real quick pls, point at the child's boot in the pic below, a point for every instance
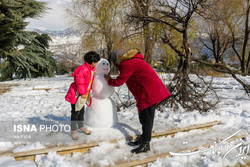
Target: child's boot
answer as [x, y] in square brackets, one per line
[74, 135]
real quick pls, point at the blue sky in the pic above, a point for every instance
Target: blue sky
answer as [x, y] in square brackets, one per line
[54, 19]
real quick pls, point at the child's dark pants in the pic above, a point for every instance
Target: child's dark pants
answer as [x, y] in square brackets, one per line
[76, 118]
[146, 117]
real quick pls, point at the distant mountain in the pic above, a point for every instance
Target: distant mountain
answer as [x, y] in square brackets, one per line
[56, 33]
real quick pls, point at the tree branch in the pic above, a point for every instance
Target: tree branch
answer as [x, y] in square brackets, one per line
[156, 20]
[226, 70]
[167, 41]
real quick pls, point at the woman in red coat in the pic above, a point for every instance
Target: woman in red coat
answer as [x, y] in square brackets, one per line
[145, 85]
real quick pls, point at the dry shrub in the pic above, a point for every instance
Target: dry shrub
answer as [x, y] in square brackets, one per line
[6, 87]
[211, 72]
[3, 90]
[206, 71]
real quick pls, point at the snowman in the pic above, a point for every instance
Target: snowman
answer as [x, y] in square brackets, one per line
[102, 112]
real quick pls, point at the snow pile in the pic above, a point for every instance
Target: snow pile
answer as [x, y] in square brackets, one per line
[32, 146]
[10, 162]
[6, 146]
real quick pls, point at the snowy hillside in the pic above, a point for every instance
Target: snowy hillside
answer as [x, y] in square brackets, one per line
[63, 41]
[31, 102]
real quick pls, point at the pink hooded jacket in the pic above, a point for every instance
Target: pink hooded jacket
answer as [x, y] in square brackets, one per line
[82, 77]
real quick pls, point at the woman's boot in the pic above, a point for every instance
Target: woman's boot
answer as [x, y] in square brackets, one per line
[144, 147]
[135, 142]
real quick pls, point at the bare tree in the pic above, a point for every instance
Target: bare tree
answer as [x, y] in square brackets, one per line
[218, 41]
[228, 21]
[142, 7]
[100, 20]
[241, 40]
[69, 56]
[175, 18]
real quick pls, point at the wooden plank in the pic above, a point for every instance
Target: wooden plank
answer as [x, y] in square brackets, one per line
[186, 129]
[154, 158]
[83, 147]
[247, 164]
[69, 152]
[30, 158]
[66, 150]
[46, 89]
[63, 152]
[57, 149]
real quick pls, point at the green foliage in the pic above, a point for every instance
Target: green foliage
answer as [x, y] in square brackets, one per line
[33, 60]
[24, 53]
[12, 16]
[167, 60]
[6, 70]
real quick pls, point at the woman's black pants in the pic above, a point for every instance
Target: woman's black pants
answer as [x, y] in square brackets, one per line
[146, 118]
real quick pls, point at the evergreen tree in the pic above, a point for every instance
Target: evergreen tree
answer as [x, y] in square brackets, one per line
[32, 59]
[24, 53]
[12, 16]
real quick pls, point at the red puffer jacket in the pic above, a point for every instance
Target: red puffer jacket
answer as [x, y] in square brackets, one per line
[82, 77]
[141, 80]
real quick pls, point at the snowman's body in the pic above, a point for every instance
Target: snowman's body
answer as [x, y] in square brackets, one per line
[102, 112]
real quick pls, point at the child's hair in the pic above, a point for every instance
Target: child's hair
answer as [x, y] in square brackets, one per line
[91, 57]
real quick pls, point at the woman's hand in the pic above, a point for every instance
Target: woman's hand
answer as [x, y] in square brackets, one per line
[107, 77]
[84, 96]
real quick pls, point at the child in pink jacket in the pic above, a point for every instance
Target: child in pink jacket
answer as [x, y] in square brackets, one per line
[82, 77]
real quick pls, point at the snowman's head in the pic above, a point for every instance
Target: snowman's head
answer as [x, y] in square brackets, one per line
[102, 67]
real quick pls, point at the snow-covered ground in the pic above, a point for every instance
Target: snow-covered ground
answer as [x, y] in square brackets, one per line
[26, 104]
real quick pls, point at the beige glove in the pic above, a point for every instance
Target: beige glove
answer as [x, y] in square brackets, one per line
[80, 103]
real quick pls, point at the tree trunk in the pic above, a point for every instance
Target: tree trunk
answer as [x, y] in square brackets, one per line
[147, 45]
[186, 54]
[216, 57]
[243, 67]
[247, 66]
[144, 5]
[109, 49]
